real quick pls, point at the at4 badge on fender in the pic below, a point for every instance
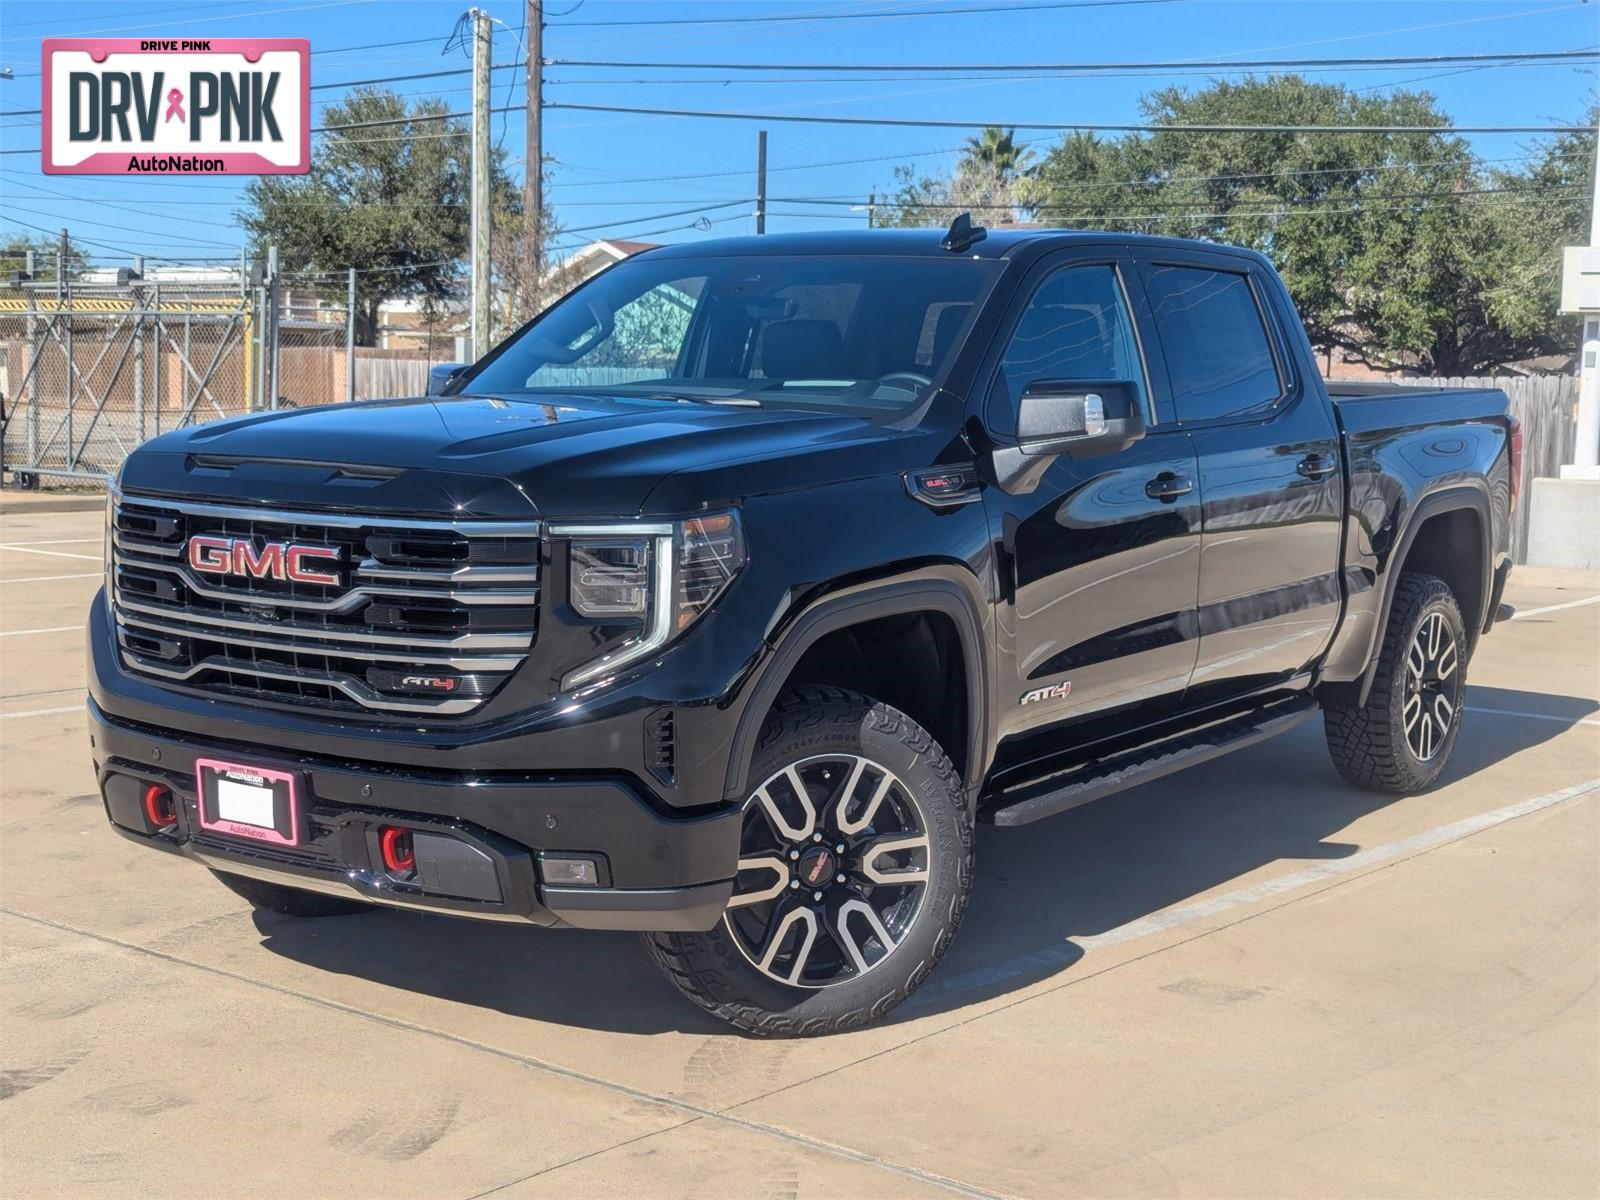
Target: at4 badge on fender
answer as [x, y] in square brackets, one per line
[1056, 691]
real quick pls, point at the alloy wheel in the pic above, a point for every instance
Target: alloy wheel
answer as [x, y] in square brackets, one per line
[833, 869]
[1432, 687]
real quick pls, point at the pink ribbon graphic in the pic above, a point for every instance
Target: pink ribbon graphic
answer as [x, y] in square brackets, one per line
[175, 106]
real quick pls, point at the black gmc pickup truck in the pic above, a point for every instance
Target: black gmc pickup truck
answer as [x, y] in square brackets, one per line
[724, 598]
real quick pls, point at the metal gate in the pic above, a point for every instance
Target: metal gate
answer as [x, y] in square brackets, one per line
[89, 372]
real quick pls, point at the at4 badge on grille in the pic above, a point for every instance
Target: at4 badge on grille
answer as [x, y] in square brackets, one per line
[167, 106]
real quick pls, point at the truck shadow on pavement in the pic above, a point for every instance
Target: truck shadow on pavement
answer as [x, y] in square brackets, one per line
[1080, 874]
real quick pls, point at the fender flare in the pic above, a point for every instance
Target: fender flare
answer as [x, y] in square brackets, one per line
[936, 589]
[1431, 504]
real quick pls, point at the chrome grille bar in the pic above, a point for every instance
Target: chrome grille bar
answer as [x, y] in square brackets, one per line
[348, 602]
[365, 644]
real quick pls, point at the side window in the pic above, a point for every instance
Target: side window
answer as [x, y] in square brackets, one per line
[1076, 327]
[1218, 352]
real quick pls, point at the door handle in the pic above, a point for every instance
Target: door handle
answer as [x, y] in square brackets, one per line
[1317, 466]
[1168, 486]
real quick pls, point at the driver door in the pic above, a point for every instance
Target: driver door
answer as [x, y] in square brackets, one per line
[1100, 557]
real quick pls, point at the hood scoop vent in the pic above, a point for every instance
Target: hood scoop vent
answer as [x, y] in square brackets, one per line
[359, 474]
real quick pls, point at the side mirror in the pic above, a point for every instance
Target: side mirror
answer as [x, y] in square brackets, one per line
[442, 375]
[1079, 419]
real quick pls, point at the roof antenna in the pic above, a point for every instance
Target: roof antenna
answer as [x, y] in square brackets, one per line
[963, 234]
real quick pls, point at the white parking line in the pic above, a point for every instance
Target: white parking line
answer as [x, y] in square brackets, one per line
[1522, 614]
[52, 629]
[56, 542]
[41, 712]
[53, 578]
[1057, 956]
[51, 553]
[1531, 716]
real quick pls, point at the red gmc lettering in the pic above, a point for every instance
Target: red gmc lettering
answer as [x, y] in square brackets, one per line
[300, 573]
[275, 560]
[268, 564]
[213, 555]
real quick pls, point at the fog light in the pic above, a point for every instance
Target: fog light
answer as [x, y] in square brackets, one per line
[570, 871]
[398, 856]
[159, 806]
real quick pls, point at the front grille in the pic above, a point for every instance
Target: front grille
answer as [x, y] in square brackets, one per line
[424, 616]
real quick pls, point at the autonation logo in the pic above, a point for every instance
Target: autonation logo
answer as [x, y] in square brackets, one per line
[209, 106]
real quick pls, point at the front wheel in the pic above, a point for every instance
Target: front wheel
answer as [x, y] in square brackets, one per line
[855, 863]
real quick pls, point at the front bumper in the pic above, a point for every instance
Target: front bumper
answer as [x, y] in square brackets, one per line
[656, 871]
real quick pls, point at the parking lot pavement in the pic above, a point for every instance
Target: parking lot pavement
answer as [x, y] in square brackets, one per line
[1245, 980]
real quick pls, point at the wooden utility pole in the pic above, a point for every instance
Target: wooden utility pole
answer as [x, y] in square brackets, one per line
[533, 169]
[482, 167]
[761, 182]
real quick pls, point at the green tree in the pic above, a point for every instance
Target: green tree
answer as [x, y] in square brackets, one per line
[391, 196]
[993, 180]
[1400, 249]
[996, 150]
[14, 257]
[1545, 207]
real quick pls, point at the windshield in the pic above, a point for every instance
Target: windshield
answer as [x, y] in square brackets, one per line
[828, 332]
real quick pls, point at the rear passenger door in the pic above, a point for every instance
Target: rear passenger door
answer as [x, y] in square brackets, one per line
[1272, 493]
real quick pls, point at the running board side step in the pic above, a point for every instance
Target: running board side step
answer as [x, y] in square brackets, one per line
[1043, 798]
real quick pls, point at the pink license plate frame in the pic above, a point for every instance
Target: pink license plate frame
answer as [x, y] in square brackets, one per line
[286, 834]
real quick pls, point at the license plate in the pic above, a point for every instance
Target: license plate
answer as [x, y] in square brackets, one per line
[248, 802]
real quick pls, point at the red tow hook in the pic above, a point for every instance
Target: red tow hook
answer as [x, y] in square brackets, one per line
[398, 856]
[159, 806]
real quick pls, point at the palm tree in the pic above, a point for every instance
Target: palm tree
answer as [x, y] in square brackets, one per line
[996, 152]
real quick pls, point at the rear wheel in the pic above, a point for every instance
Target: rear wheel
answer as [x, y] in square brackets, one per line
[855, 862]
[291, 902]
[1401, 738]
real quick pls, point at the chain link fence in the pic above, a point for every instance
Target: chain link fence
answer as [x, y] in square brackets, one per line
[89, 372]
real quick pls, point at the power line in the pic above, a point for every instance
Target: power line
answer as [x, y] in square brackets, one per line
[875, 15]
[703, 223]
[1385, 61]
[249, 16]
[682, 212]
[317, 87]
[426, 41]
[44, 212]
[1038, 77]
[1237, 206]
[1283, 209]
[1087, 127]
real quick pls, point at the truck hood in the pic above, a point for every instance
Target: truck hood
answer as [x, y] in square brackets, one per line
[515, 455]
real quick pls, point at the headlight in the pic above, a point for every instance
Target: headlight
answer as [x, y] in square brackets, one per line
[664, 576]
[710, 553]
[610, 578]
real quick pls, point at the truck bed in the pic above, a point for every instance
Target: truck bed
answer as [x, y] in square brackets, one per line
[1372, 407]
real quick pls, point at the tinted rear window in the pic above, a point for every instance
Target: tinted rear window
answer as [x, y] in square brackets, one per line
[1217, 350]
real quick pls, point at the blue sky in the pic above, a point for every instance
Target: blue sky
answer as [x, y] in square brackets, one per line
[611, 170]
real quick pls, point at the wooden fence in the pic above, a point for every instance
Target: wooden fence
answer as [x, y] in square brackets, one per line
[1545, 404]
[1547, 407]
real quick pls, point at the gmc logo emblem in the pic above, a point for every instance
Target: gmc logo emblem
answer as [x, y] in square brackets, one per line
[275, 560]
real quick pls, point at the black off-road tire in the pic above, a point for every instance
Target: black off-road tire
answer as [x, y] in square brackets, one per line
[710, 969]
[291, 902]
[1369, 744]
